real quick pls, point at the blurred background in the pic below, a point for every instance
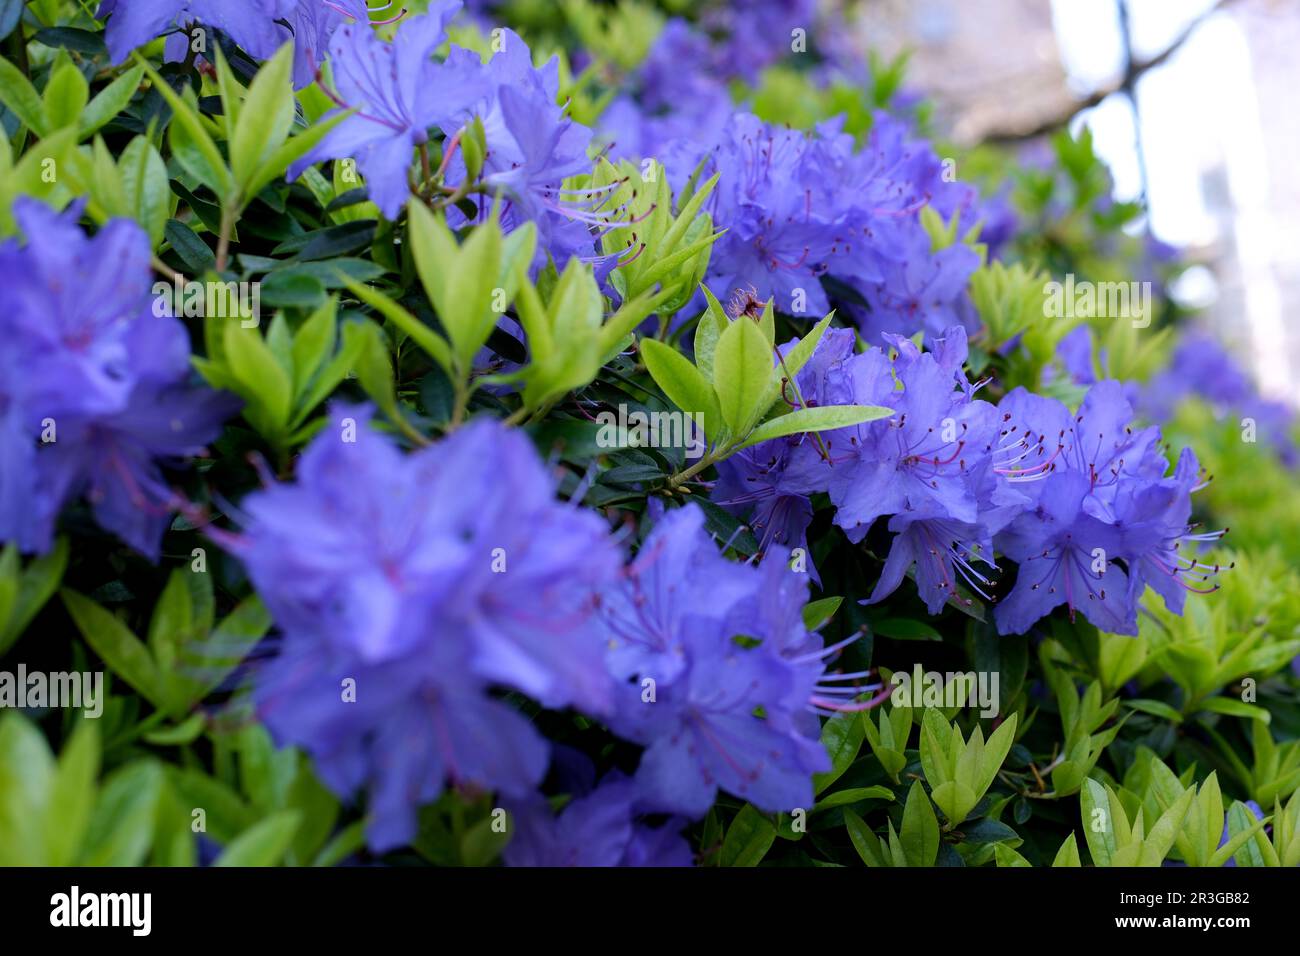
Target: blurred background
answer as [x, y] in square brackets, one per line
[1192, 104]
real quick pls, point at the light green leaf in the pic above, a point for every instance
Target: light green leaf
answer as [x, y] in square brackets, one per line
[122, 825]
[680, 380]
[817, 419]
[1068, 854]
[17, 93]
[920, 831]
[265, 118]
[72, 794]
[110, 101]
[742, 373]
[263, 844]
[128, 658]
[262, 379]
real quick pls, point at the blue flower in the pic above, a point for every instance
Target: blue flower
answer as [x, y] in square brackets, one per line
[379, 568]
[922, 458]
[601, 828]
[94, 396]
[399, 93]
[250, 23]
[724, 680]
[1097, 494]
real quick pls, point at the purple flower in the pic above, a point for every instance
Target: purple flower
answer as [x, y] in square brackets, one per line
[725, 680]
[532, 147]
[920, 460]
[770, 483]
[381, 553]
[600, 828]
[399, 92]
[1097, 494]
[1154, 519]
[1063, 557]
[312, 23]
[1203, 368]
[677, 583]
[398, 729]
[702, 732]
[379, 567]
[250, 23]
[94, 395]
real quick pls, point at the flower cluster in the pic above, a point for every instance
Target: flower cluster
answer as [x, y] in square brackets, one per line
[94, 397]
[798, 208]
[387, 85]
[1081, 502]
[406, 605]
[390, 581]
[260, 27]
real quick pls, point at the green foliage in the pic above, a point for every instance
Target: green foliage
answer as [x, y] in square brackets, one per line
[1251, 628]
[959, 770]
[736, 383]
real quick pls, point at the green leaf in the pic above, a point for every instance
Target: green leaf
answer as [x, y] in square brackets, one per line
[1068, 854]
[429, 340]
[995, 751]
[375, 367]
[905, 629]
[742, 373]
[145, 187]
[313, 344]
[122, 825]
[265, 118]
[793, 361]
[263, 844]
[186, 732]
[748, 838]
[936, 761]
[711, 326]
[172, 624]
[468, 314]
[821, 418]
[817, 614]
[434, 248]
[920, 831]
[27, 774]
[33, 587]
[680, 381]
[110, 101]
[191, 144]
[17, 93]
[121, 650]
[72, 794]
[1160, 840]
[348, 841]
[263, 380]
[864, 841]
[1235, 708]
[1006, 856]
[841, 798]
[842, 737]
[1098, 822]
[1156, 708]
